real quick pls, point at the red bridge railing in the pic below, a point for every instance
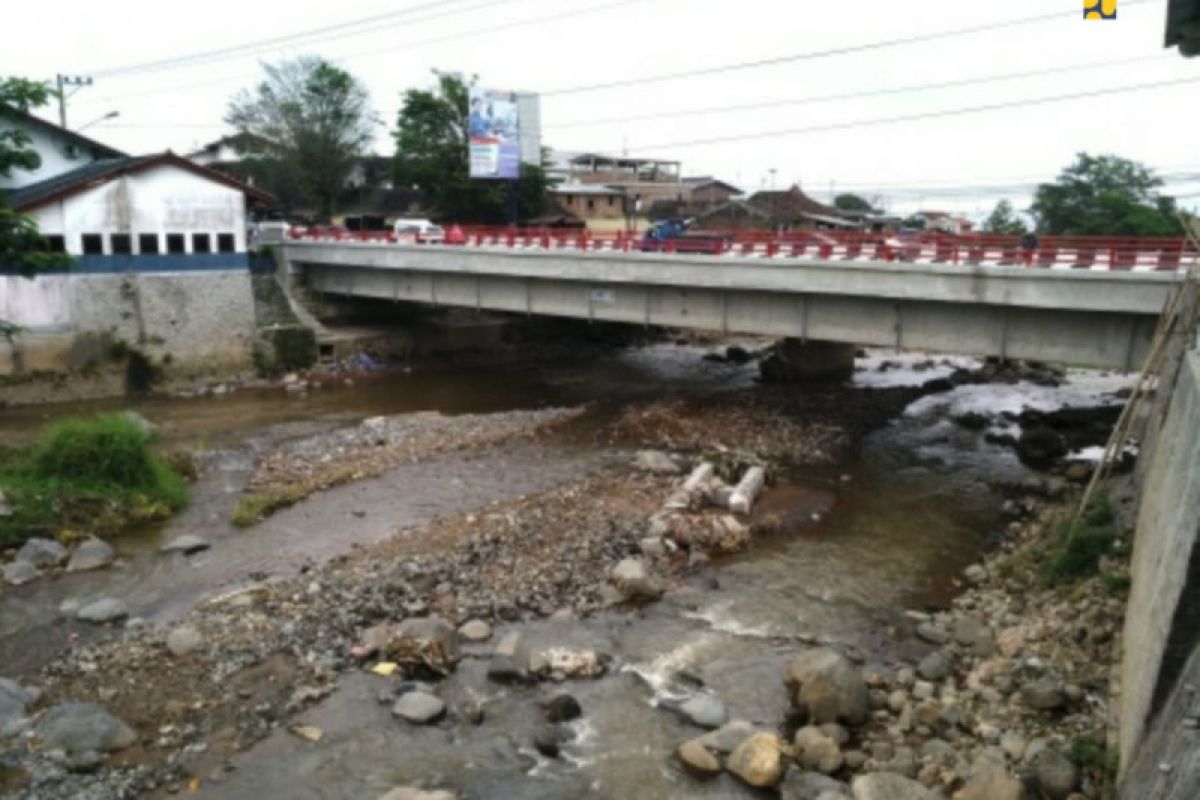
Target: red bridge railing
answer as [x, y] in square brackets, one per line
[1143, 253]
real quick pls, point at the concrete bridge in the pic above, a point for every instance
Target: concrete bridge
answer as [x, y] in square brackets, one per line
[1092, 317]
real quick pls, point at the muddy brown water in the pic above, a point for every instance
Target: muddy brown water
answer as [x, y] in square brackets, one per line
[888, 530]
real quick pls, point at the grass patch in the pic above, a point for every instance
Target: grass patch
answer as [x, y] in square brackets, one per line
[96, 475]
[257, 506]
[1090, 755]
[1074, 551]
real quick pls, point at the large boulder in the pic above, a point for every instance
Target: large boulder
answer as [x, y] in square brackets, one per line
[817, 751]
[758, 761]
[705, 711]
[510, 659]
[726, 738]
[1056, 774]
[889, 786]
[990, 781]
[698, 759]
[42, 553]
[1044, 694]
[80, 727]
[18, 573]
[634, 580]
[424, 643]
[91, 554]
[106, 609]
[824, 683]
[419, 708]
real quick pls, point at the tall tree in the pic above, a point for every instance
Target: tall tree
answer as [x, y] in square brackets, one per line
[1004, 219]
[1105, 195]
[431, 155]
[21, 245]
[316, 121]
[852, 202]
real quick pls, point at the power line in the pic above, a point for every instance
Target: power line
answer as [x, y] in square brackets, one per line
[742, 137]
[174, 89]
[307, 36]
[816, 54]
[799, 101]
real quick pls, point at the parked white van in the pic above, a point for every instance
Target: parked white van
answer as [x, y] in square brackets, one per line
[418, 231]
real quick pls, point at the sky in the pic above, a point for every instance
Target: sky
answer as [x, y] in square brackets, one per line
[801, 128]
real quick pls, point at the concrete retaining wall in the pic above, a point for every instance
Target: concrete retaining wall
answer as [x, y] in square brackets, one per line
[192, 324]
[1162, 636]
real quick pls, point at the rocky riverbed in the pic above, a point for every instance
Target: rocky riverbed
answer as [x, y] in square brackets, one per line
[505, 648]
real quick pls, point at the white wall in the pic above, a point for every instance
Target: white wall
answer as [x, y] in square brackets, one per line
[56, 153]
[163, 199]
[41, 303]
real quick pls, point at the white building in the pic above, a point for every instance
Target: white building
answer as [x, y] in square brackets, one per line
[159, 255]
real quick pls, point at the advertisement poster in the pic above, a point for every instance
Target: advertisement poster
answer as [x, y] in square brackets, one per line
[494, 134]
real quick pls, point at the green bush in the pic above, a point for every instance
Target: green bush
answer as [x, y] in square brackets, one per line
[96, 475]
[1075, 550]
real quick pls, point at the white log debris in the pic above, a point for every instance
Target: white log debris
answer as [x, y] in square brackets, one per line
[747, 490]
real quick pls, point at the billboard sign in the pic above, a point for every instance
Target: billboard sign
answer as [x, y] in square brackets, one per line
[503, 132]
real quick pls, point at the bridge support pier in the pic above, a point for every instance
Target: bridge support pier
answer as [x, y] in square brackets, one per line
[797, 360]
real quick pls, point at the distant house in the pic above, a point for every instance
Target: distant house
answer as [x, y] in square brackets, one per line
[230, 150]
[60, 150]
[792, 209]
[707, 192]
[736, 215]
[590, 202]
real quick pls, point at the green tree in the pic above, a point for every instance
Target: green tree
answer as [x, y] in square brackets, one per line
[431, 155]
[1105, 194]
[21, 244]
[316, 121]
[1004, 219]
[852, 202]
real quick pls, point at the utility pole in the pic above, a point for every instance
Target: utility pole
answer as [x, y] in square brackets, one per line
[64, 81]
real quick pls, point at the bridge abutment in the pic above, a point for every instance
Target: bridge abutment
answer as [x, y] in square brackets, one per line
[797, 360]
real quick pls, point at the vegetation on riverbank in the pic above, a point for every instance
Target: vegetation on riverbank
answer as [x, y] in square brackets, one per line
[95, 475]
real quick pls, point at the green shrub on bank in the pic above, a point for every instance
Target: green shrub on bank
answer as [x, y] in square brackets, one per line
[1074, 551]
[94, 475]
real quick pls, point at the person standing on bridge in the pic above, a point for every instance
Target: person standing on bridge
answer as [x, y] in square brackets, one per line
[1029, 246]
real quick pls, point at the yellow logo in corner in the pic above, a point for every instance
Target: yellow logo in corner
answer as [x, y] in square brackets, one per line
[1099, 9]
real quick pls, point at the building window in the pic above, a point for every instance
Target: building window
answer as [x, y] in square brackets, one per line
[225, 243]
[591, 205]
[175, 243]
[93, 244]
[201, 243]
[612, 201]
[148, 244]
[120, 244]
[55, 243]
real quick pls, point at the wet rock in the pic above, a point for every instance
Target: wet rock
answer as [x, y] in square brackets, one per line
[826, 685]
[548, 739]
[408, 793]
[652, 547]
[91, 554]
[889, 786]
[566, 662]
[934, 667]
[80, 727]
[726, 738]
[188, 544]
[42, 553]
[817, 751]
[1013, 745]
[184, 640]
[1056, 775]
[758, 761]
[801, 785]
[19, 573]
[419, 708]
[975, 573]
[562, 708]
[475, 630]
[697, 758]
[106, 609]
[932, 632]
[705, 711]
[424, 644]
[510, 661]
[1044, 694]
[656, 461]
[14, 702]
[634, 581]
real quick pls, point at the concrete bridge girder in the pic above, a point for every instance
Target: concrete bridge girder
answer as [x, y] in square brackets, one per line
[1093, 319]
